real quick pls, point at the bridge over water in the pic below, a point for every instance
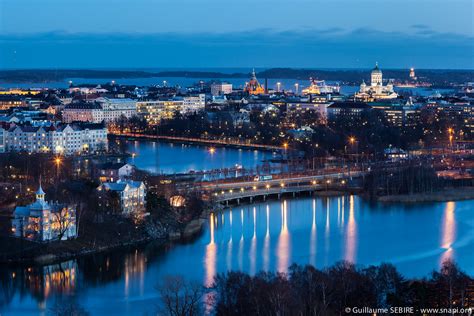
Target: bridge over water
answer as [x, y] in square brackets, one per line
[211, 142]
[235, 192]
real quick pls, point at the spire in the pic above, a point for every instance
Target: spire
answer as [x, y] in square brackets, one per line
[40, 193]
[254, 75]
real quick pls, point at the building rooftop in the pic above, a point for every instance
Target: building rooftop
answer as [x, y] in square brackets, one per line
[83, 106]
[349, 105]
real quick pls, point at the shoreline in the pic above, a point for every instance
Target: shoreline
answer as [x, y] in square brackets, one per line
[209, 142]
[445, 195]
[56, 252]
[50, 253]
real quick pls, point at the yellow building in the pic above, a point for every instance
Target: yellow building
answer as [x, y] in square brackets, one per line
[19, 92]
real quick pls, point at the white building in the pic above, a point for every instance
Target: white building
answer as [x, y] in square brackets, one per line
[221, 88]
[153, 111]
[110, 172]
[114, 108]
[43, 221]
[101, 110]
[3, 134]
[131, 194]
[376, 89]
[193, 103]
[64, 139]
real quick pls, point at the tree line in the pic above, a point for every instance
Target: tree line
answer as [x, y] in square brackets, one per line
[305, 290]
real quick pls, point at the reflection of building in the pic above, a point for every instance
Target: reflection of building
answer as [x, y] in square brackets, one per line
[43, 221]
[43, 281]
[60, 278]
[376, 89]
[131, 194]
[253, 86]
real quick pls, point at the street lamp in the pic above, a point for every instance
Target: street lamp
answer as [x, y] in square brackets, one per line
[58, 162]
[451, 137]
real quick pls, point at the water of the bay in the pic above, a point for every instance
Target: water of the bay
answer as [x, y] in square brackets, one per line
[266, 236]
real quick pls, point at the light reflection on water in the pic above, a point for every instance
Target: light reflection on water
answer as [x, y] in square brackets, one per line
[172, 158]
[351, 234]
[448, 231]
[283, 251]
[267, 236]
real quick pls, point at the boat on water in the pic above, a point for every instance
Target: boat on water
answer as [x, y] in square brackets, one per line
[320, 87]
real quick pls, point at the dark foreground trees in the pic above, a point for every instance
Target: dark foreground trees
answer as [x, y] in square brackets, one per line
[308, 291]
[179, 297]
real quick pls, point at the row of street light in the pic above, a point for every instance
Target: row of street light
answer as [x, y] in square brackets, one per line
[268, 186]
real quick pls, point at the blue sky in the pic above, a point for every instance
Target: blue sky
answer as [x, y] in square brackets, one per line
[236, 33]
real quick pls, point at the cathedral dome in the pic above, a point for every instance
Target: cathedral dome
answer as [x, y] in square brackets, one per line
[376, 69]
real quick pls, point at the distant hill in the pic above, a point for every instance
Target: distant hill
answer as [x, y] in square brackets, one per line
[348, 76]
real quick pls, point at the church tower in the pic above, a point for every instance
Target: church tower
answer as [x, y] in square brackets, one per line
[40, 194]
[376, 76]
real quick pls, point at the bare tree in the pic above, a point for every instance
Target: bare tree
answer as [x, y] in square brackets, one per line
[179, 297]
[62, 221]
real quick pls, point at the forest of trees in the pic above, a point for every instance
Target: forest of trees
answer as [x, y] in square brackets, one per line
[415, 176]
[305, 290]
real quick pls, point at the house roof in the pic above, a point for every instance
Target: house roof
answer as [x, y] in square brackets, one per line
[349, 105]
[121, 185]
[112, 165]
[83, 106]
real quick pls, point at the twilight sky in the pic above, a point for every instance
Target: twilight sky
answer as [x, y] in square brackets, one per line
[236, 33]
